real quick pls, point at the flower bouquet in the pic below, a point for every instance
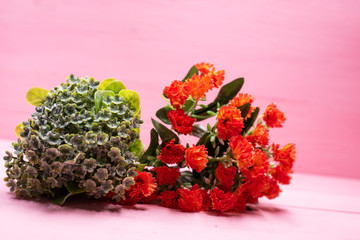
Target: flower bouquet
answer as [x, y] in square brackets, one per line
[84, 139]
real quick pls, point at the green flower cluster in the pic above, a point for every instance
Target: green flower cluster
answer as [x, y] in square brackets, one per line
[83, 138]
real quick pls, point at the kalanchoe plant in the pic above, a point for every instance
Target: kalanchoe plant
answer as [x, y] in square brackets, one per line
[82, 138]
[232, 162]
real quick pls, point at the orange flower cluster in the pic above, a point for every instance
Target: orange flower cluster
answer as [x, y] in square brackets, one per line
[232, 163]
[207, 69]
[230, 122]
[196, 157]
[242, 99]
[273, 116]
[259, 136]
[197, 86]
[143, 189]
[242, 150]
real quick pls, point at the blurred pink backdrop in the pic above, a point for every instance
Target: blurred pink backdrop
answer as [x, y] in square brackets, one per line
[304, 56]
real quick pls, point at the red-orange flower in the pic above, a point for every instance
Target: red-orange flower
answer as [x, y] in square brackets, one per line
[172, 153]
[272, 189]
[242, 99]
[204, 68]
[144, 186]
[254, 187]
[260, 136]
[166, 175]
[197, 86]
[225, 176]
[180, 121]
[260, 167]
[208, 69]
[242, 151]
[169, 199]
[176, 93]
[190, 200]
[285, 156]
[222, 201]
[240, 204]
[218, 77]
[196, 157]
[273, 116]
[280, 175]
[206, 204]
[230, 122]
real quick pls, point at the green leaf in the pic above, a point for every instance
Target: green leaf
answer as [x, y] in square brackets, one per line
[140, 167]
[198, 131]
[165, 133]
[188, 105]
[244, 109]
[36, 96]
[193, 70]
[100, 95]
[204, 139]
[60, 200]
[19, 129]
[137, 147]
[162, 114]
[226, 93]
[250, 121]
[115, 86]
[133, 98]
[103, 84]
[71, 189]
[154, 143]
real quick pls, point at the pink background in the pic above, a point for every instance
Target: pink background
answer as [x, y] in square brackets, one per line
[305, 56]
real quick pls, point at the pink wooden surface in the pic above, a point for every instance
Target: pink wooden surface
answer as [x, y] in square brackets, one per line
[304, 55]
[312, 207]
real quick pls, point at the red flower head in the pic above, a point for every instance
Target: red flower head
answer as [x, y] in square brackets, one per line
[225, 176]
[169, 199]
[166, 175]
[191, 200]
[196, 157]
[197, 86]
[242, 151]
[280, 175]
[204, 68]
[260, 167]
[230, 122]
[272, 189]
[176, 93]
[172, 153]
[242, 99]
[222, 201]
[273, 116]
[180, 121]
[285, 156]
[260, 136]
[240, 204]
[144, 186]
[217, 77]
[254, 187]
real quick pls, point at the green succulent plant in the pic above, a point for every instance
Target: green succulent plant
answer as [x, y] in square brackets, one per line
[82, 138]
